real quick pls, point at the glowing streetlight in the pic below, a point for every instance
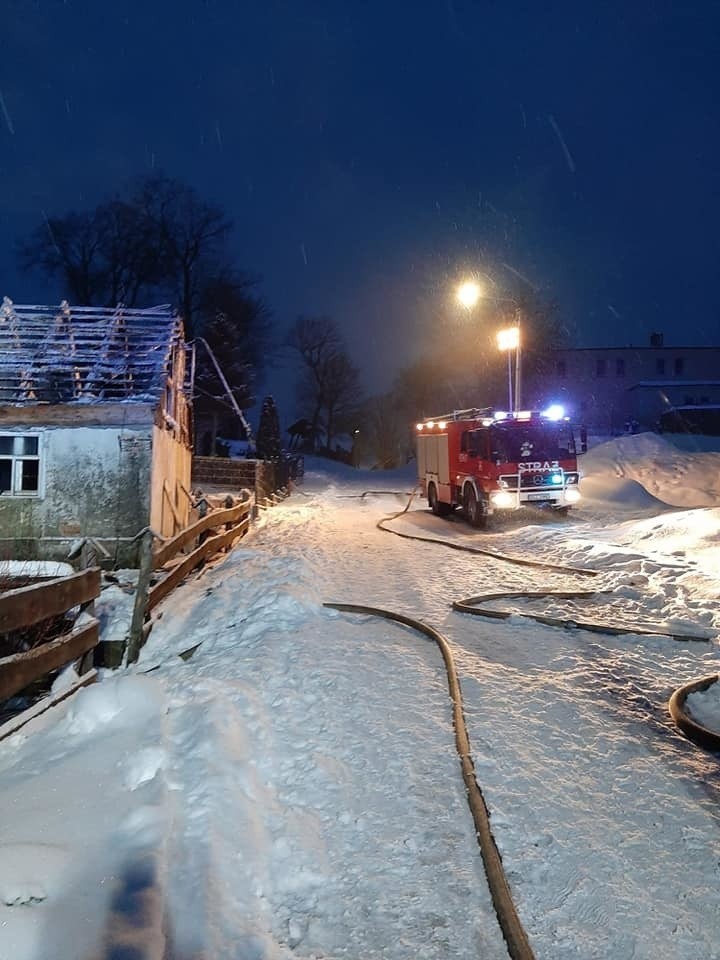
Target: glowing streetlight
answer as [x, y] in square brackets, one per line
[509, 340]
[468, 294]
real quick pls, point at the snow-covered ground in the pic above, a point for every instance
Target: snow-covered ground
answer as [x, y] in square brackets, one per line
[10, 569]
[292, 789]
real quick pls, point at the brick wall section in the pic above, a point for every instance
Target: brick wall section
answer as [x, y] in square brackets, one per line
[262, 477]
[223, 471]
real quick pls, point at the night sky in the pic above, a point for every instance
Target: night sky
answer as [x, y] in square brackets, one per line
[371, 152]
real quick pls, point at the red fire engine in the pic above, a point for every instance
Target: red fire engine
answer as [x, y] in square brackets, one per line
[487, 462]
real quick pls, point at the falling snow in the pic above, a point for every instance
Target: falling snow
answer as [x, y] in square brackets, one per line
[561, 140]
[6, 115]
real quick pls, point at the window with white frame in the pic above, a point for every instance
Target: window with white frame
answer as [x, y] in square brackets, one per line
[19, 464]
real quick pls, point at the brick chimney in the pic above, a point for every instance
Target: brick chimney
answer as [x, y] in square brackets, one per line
[656, 339]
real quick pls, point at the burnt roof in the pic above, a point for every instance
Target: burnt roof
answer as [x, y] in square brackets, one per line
[69, 354]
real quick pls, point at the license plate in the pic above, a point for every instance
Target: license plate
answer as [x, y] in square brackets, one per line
[539, 496]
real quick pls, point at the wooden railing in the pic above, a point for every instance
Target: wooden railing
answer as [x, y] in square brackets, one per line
[210, 534]
[234, 520]
[27, 607]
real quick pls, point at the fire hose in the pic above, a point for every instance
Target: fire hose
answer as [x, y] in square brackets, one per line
[512, 929]
[693, 730]
[515, 936]
[470, 604]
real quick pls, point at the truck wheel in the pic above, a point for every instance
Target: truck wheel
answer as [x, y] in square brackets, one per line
[437, 506]
[474, 512]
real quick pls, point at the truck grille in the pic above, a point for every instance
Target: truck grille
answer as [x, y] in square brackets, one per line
[533, 481]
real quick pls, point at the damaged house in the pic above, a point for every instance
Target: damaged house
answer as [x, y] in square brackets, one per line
[95, 428]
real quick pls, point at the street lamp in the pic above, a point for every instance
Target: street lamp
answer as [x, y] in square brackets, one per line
[469, 293]
[509, 340]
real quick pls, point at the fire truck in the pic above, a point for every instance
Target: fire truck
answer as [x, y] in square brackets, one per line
[487, 462]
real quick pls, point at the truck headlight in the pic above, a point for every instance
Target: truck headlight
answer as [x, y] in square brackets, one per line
[572, 496]
[501, 498]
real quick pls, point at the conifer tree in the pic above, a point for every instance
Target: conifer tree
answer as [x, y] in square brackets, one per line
[267, 444]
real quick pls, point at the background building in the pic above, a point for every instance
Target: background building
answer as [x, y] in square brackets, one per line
[609, 387]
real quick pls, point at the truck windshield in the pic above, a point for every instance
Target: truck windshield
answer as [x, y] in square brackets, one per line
[514, 443]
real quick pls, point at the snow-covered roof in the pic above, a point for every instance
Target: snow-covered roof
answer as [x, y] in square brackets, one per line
[676, 383]
[61, 354]
[629, 347]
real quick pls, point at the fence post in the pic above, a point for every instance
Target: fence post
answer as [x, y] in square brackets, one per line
[135, 636]
[88, 558]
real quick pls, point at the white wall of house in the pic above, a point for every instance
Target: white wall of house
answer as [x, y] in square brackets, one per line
[93, 481]
[171, 468]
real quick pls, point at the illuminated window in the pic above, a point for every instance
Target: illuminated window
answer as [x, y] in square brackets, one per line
[19, 465]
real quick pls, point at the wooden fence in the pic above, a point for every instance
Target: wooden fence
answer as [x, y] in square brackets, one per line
[25, 607]
[215, 532]
[29, 606]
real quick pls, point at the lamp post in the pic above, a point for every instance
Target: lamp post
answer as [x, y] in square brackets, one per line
[509, 340]
[518, 400]
[469, 293]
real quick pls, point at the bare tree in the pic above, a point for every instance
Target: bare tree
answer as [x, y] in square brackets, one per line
[69, 248]
[163, 239]
[132, 268]
[316, 340]
[190, 235]
[387, 432]
[341, 392]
